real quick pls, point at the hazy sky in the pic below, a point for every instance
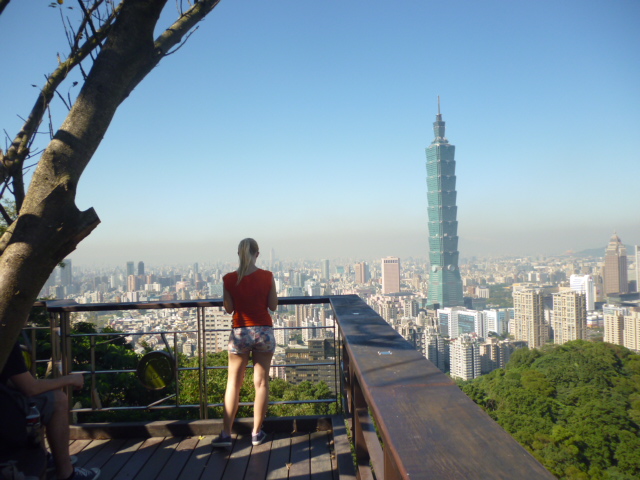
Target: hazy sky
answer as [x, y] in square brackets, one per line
[304, 124]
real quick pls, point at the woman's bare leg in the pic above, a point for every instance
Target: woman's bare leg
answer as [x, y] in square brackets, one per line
[237, 367]
[261, 365]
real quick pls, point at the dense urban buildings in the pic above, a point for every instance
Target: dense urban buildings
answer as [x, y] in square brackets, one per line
[445, 282]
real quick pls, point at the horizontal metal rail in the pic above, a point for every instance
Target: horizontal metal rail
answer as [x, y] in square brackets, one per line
[61, 310]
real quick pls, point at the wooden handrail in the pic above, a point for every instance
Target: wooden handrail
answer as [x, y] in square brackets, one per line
[429, 429]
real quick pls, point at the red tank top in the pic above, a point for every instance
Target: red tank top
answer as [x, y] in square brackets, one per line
[250, 298]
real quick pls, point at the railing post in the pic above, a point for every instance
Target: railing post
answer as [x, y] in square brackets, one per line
[202, 363]
[65, 351]
[175, 366]
[360, 445]
[94, 387]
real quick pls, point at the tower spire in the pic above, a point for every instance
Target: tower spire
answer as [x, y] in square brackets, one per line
[438, 127]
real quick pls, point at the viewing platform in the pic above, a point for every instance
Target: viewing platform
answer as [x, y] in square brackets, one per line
[401, 418]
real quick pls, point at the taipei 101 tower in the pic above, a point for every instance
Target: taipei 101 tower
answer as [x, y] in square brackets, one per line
[445, 283]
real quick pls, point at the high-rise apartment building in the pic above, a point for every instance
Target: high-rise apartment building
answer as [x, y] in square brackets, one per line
[460, 321]
[445, 282]
[615, 267]
[390, 275]
[436, 348]
[528, 323]
[622, 326]
[584, 284]
[218, 323]
[569, 317]
[497, 321]
[464, 358]
[631, 335]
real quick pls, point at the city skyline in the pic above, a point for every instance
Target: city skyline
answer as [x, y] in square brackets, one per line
[302, 125]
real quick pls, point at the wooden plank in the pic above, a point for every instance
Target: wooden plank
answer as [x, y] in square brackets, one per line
[217, 463]
[111, 468]
[428, 425]
[158, 459]
[142, 455]
[105, 453]
[239, 459]
[300, 465]
[198, 460]
[178, 459]
[321, 465]
[90, 451]
[342, 450]
[76, 446]
[259, 461]
[279, 459]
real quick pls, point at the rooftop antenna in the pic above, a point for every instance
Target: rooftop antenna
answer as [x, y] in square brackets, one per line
[438, 104]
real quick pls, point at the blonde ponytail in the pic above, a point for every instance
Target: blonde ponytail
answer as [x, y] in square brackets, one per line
[246, 250]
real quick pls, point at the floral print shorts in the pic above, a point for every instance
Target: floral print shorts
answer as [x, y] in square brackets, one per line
[252, 339]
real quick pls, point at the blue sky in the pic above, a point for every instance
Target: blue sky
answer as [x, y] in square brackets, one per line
[304, 124]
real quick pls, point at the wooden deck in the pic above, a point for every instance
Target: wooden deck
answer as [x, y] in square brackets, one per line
[301, 455]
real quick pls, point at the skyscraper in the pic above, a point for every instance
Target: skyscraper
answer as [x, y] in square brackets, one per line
[361, 272]
[615, 267]
[390, 275]
[324, 269]
[66, 273]
[140, 268]
[445, 283]
[637, 268]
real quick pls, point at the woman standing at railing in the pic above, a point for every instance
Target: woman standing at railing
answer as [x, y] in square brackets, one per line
[248, 293]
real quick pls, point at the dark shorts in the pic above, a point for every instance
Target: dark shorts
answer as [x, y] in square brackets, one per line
[252, 339]
[46, 405]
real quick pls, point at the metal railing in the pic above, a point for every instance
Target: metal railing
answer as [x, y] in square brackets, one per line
[60, 312]
[407, 419]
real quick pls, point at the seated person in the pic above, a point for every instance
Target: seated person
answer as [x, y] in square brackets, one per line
[52, 403]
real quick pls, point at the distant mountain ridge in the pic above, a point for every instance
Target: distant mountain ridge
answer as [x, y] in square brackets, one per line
[599, 252]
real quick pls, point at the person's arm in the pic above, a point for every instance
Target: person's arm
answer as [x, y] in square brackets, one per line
[227, 301]
[30, 386]
[273, 296]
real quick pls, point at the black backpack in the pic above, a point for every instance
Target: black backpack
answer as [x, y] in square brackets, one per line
[14, 408]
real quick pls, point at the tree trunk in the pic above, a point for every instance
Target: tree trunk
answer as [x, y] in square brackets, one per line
[49, 225]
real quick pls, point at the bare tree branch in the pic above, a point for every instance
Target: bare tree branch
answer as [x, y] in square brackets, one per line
[13, 159]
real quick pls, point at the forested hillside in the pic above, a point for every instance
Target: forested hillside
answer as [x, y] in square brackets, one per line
[576, 407]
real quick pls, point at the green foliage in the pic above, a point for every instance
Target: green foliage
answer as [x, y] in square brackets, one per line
[279, 390]
[500, 296]
[122, 389]
[576, 407]
[9, 207]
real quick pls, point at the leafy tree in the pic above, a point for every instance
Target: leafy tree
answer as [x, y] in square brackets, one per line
[48, 225]
[574, 406]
